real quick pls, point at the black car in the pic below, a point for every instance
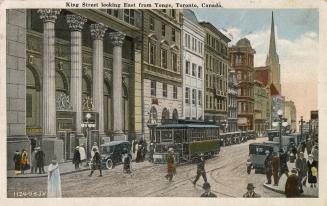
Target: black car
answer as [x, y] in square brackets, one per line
[111, 153]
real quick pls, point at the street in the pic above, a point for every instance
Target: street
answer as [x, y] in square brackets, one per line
[226, 173]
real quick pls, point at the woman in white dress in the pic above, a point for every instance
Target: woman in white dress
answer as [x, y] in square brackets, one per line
[54, 183]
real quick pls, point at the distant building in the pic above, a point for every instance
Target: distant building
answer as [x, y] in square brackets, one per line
[241, 58]
[193, 66]
[216, 74]
[261, 107]
[290, 114]
[232, 101]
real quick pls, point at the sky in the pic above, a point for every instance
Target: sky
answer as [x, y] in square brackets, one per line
[297, 38]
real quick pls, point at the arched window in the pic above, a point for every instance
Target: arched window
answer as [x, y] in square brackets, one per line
[153, 118]
[33, 98]
[175, 114]
[165, 114]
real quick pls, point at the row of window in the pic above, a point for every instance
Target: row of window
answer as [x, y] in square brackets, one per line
[196, 46]
[245, 107]
[128, 15]
[245, 91]
[187, 96]
[195, 73]
[214, 103]
[164, 90]
[163, 29]
[241, 59]
[216, 44]
[244, 76]
[212, 81]
[216, 65]
[163, 57]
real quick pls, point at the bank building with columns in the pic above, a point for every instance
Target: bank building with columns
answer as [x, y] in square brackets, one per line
[72, 74]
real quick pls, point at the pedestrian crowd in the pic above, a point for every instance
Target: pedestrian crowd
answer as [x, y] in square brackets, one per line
[34, 163]
[304, 171]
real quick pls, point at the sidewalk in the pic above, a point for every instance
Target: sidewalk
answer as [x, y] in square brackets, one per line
[69, 168]
[65, 168]
[307, 191]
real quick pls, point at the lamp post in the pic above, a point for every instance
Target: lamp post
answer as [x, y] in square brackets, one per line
[88, 125]
[280, 115]
[301, 124]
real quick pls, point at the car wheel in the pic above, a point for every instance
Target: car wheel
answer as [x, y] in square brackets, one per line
[109, 164]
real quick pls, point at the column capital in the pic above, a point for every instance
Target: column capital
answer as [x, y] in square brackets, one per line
[75, 22]
[117, 38]
[98, 30]
[49, 15]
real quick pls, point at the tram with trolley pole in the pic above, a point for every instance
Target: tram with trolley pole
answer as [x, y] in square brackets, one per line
[189, 138]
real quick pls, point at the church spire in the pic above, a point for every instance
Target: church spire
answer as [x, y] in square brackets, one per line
[272, 53]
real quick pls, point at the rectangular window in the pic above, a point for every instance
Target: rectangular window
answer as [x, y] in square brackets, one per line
[185, 40]
[194, 70]
[151, 23]
[187, 67]
[173, 35]
[174, 61]
[175, 92]
[188, 41]
[164, 58]
[173, 13]
[206, 101]
[195, 43]
[207, 80]
[200, 97]
[193, 96]
[29, 103]
[187, 95]
[164, 90]
[200, 72]
[152, 53]
[210, 102]
[163, 30]
[153, 88]
[129, 16]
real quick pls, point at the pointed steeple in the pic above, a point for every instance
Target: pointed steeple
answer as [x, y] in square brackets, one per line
[272, 53]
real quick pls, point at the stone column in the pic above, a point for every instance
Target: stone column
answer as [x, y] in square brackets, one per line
[76, 24]
[52, 146]
[97, 32]
[117, 39]
[49, 17]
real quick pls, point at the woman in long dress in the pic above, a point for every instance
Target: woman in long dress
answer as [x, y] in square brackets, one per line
[54, 183]
[312, 171]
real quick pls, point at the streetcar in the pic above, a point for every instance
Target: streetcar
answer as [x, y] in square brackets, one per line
[188, 139]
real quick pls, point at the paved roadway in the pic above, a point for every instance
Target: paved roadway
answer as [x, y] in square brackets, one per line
[226, 173]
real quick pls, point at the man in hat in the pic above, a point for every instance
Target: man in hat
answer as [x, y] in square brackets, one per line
[76, 158]
[17, 162]
[250, 192]
[275, 165]
[302, 168]
[40, 157]
[283, 163]
[268, 167]
[96, 163]
[170, 164]
[292, 185]
[200, 169]
[207, 191]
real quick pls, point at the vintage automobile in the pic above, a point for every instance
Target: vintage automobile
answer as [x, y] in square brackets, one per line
[257, 154]
[111, 153]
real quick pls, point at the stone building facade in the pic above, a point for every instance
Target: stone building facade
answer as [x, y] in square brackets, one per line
[216, 74]
[161, 72]
[192, 63]
[290, 114]
[232, 102]
[72, 60]
[261, 107]
[241, 57]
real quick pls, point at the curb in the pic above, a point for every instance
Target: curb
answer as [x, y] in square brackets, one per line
[45, 175]
[282, 192]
